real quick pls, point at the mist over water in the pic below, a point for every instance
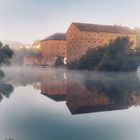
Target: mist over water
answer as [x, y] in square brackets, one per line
[54, 104]
[15, 72]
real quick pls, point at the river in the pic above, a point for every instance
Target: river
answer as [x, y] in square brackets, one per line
[57, 104]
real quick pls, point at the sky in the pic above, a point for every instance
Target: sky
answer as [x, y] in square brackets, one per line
[28, 20]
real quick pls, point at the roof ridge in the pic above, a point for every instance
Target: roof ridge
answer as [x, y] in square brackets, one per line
[99, 24]
[56, 36]
[103, 28]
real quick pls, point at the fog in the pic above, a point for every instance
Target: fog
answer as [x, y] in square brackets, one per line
[15, 73]
[44, 100]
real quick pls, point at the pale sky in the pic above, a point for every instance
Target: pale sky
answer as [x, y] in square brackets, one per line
[28, 20]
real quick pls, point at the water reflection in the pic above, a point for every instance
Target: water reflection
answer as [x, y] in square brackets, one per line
[54, 86]
[35, 109]
[86, 92]
[103, 92]
[5, 90]
[83, 92]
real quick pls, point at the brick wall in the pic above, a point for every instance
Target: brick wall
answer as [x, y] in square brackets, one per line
[78, 42]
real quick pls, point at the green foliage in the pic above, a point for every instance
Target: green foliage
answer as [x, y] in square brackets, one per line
[73, 65]
[5, 54]
[90, 60]
[59, 61]
[2, 74]
[117, 56]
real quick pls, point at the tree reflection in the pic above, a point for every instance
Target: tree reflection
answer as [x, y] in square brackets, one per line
[83, 91]
[86, 92]
[5, 90]
[121, 88]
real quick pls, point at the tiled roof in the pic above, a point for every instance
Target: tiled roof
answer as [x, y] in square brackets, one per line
[56, 36]
[103, 28]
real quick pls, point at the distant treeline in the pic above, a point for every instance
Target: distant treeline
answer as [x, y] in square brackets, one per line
[19, 55]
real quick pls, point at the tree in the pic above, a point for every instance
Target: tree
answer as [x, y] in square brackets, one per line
[59, 61]
[5, 54]
[117, 56]
[90, 60]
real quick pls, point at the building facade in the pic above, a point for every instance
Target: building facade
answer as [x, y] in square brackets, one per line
[81, 37]
[52, 47]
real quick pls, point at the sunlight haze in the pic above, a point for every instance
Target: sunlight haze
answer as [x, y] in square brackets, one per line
[28, 20]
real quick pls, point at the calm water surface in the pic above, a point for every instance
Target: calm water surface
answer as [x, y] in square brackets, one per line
[48, 104]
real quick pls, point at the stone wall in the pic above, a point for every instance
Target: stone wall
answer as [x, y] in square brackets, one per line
[53, 48]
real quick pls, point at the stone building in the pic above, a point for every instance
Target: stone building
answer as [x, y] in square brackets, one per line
[81, 37]
[53, 46]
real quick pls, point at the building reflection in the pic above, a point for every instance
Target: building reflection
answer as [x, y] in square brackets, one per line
[84, 101]
[54, 86]
[84, 93]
